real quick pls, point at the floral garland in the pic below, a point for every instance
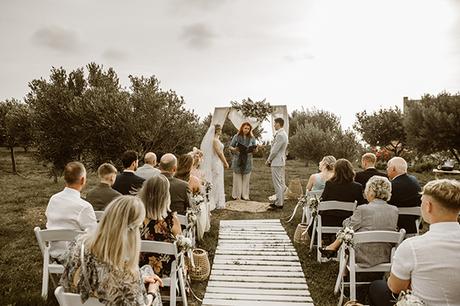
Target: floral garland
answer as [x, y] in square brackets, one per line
[313, 203]
[406, 298]
[258, 109]
[183, 243]
[207, 189]
[197, 199]
[345, 235]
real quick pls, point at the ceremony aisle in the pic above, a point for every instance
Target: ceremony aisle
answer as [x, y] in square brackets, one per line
[256, 264]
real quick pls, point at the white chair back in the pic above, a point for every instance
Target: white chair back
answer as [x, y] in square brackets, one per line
[72, 299]
[182, 219]
[412, 211]
[44, 238]
[318, 227]
[348, 262]
[176, 280]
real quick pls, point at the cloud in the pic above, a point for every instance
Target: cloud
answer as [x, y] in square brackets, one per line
[114, 54]
[184, 6]
[198, 35]
[299, 57]
[57, 38]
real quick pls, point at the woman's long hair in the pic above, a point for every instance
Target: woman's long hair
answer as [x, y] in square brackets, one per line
[343, 172]
[184, 166]
[156, 197]
[116, 240]
[241, 133]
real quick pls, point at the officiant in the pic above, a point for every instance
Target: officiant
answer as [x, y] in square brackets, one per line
[242, 146]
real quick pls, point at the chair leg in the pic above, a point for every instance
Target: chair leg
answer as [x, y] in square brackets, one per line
[319, 244]
[172, 289]
[312, 239]
[352, 285]
[182, 287]
[45, 278]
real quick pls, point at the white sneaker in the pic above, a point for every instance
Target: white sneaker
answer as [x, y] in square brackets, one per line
[272, 198]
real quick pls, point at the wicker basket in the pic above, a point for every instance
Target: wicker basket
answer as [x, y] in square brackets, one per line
[298, 237]
[295, 189]
[202, 267]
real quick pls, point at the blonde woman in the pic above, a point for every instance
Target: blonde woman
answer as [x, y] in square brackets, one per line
[109, 269]
[160, 224]
[317, 181]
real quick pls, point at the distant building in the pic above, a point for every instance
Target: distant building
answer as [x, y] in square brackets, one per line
[407, 102]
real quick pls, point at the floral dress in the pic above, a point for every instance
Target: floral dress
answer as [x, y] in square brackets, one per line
[158, 230]
[111, 286]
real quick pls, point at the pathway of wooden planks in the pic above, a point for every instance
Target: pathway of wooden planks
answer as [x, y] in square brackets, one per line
[256, 264]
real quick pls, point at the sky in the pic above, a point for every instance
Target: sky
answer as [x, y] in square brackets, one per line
[344, 56]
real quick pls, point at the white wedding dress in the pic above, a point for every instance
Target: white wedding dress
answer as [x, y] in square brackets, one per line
[218, 189]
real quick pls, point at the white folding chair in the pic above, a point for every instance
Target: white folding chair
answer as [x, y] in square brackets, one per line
[348, 259]
[306, 214]
[320, 229]
[98, 214]
[176, 280]
[44, 238]
[411, 211]
[72, 299]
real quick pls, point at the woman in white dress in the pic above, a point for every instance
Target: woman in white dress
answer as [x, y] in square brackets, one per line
[217, 168]
[213, 165]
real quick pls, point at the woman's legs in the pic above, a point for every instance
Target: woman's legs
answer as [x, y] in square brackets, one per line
[245, 187]
[237, 186]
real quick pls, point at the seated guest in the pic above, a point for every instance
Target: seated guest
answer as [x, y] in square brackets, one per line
[341, 187]
[405, 191]
[148, 169]
[160, 224]
[197, 156]
[67, 210]
[375, 216]
[109, 269]
[317, 181]
[368, 161]
[128, 182]
[103, 194]
[183, 172]
[178, 189]
[428, 264]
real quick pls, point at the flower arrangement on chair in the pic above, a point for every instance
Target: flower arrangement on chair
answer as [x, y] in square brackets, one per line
[406, 298]
[345, 235]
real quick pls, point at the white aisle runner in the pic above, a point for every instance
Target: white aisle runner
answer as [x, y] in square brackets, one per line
[256, 264]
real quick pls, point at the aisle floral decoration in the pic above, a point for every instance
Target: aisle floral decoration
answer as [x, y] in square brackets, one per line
[253, 109]
[406, 298]
[345, 235]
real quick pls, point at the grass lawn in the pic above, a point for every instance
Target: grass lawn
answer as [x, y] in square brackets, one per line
[22, 207]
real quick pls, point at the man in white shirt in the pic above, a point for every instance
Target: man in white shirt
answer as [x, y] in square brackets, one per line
[429, 264]
[67, 210]
[148, 170]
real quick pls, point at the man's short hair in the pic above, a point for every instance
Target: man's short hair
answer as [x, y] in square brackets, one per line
[128, 158]
[445, 192]
[369, 158]
[105, 170]
[280, 121]
[73, 172]
[150, 157]
[168, 162]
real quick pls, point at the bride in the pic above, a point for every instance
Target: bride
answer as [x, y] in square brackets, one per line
[214, 163]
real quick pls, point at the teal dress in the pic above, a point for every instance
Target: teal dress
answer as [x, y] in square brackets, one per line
[242, 162]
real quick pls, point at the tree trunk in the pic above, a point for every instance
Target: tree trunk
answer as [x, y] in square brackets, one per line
[13, 160]
[54, 174]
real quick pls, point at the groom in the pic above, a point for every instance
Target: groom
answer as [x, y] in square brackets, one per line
[277, 160]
